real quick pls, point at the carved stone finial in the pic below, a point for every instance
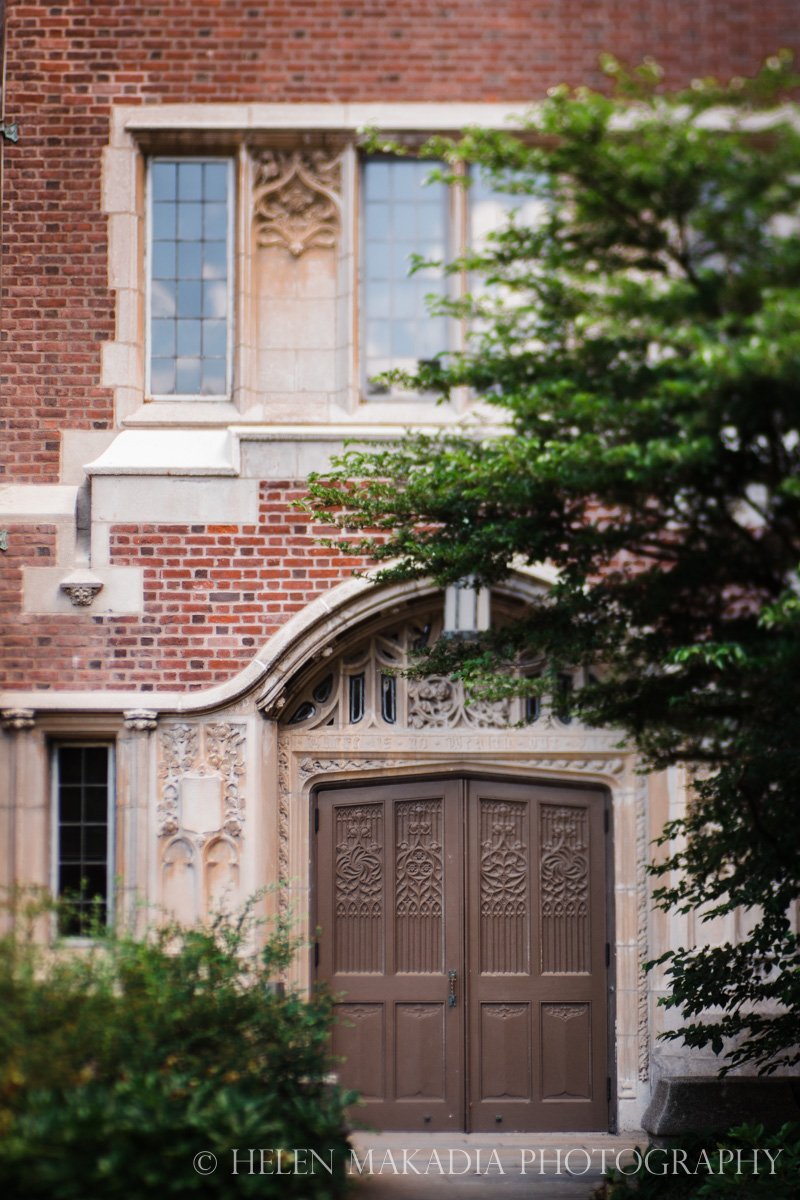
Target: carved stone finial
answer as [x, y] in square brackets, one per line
[141, 719]
[17, 719]
[296, 201]
[81, 587]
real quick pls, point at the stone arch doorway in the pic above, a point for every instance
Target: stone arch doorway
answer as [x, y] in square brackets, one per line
[462, 925]
[347, 724]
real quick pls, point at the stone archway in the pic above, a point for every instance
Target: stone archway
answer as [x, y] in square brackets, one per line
[427, 729]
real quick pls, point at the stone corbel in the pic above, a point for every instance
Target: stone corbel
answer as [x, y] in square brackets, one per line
[296, 200]
[142, 720]
[16, 720]
[81, 587]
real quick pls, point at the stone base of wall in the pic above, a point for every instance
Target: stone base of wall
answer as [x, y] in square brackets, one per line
[687, 1104]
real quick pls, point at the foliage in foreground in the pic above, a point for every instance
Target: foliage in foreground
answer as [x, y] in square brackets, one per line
[121, 1062]
[637, 346]
[732, 1172]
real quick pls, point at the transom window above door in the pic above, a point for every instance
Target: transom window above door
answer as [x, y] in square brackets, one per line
[364, 686]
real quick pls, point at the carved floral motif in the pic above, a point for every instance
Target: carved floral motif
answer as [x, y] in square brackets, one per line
[225, 753]
[504, 861]
[180, 754]
[565, 1012]
[440, 703]
[565, 863]
[296, 201]
[418, 874]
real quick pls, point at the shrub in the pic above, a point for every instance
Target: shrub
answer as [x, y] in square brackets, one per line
[726, 1172]
[122, 1062]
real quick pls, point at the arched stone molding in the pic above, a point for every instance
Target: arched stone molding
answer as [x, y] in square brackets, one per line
[321, 624]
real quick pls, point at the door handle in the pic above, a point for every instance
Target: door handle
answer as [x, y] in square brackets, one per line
[451, 995]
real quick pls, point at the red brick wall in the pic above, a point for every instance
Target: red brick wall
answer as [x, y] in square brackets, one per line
[212, 595]
[68, 62]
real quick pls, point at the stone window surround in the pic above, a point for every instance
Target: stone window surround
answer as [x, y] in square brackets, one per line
[238, 129]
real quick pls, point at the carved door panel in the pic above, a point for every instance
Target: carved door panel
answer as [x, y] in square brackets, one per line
[390, 888]
[502, 884]
[537, 1041]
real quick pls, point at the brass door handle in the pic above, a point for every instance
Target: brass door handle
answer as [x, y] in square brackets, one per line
[451, 996]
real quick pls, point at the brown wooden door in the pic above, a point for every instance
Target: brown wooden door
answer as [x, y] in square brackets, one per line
[462, 927]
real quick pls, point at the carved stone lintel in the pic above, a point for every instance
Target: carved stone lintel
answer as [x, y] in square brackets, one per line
[322, 766]
[15, 720]
[140, 719]
[296, 201]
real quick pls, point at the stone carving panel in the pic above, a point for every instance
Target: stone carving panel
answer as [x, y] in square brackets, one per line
[296, 200]
[200, 810]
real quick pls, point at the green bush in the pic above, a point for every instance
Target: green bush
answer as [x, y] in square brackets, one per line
[725, 1173]
[122, 1062]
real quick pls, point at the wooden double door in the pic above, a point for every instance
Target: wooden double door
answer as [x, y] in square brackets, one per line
[462, 927]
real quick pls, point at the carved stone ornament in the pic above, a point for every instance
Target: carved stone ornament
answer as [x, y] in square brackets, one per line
[81, 587]
[15, 720]
[142, 720]
[643, 1023]
[218, 752]
[296, 201]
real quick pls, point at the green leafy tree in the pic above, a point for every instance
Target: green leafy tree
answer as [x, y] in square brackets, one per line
[637, 350]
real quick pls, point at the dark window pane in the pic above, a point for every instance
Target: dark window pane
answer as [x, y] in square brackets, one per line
[70, 803]
[69, 843]
[323, 689]
[356, 705]
[95, 844]
[96, 764]
[70, 764]
[389, 698]
[95, 803]
[305, 711]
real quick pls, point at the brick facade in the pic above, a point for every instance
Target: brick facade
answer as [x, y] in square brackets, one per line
[67, 63]
[212, 593]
